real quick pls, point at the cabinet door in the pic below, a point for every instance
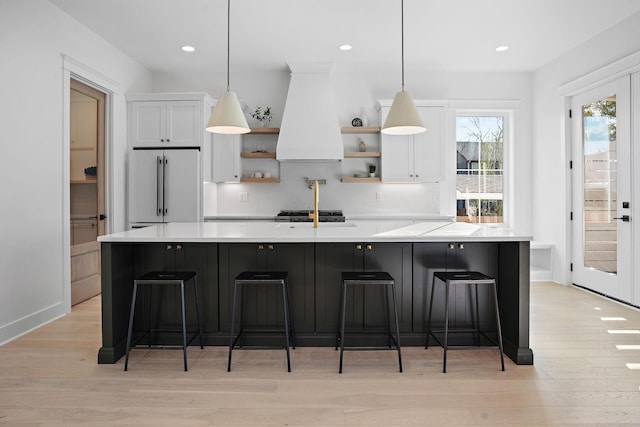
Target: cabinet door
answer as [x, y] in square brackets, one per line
[226, 158]
[234, 258]
[416, 158]
[161, 308]
[147, 124]
[396, 259]
[397, 158]
[331, 260]
[182, 186]
[263, 306]
[298, 260]
[427, 259]
[365, 306]
[428, 147]
[184, 125]
[457, 256]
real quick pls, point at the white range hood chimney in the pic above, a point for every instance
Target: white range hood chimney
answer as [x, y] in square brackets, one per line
[310, 130]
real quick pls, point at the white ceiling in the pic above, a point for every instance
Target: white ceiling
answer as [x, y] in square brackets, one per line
[452, 35]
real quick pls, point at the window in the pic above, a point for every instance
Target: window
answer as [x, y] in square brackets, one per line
[480, 167]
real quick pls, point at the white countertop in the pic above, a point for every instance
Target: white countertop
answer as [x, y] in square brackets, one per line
[287, 232]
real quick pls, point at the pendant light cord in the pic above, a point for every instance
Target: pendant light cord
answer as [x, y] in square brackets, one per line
[402, 38]
[229, 40]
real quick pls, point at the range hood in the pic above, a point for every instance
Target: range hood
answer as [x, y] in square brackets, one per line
[310, 130]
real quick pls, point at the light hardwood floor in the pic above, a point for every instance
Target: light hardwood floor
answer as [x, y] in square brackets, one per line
[50, 378]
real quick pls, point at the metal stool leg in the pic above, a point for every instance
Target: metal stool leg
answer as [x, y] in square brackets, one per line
[385, 292]
[292, 330]
[233, 320]
[339, 323]
[195, 287]
[133, 309]
[285, 304]
[433, 286]
[499, 328]
[184, 326]
[342, 322]
[395, 315]
[446, 325]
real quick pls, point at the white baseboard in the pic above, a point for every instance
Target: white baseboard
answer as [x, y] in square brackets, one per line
[20, 327]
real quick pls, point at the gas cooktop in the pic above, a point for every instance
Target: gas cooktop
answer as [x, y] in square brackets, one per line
[303, 216]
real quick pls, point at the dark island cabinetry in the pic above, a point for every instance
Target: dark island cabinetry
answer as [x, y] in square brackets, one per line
[198, 257]
[314, 285]
[366, 305]
[456, 256]
[264, 306]
[121, 262]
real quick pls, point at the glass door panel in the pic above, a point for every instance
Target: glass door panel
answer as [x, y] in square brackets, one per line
[600, 185]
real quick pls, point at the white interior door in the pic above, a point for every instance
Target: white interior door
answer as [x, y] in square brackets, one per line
[602, 239]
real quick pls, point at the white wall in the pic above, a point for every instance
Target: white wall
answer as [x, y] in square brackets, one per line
[550, 148]
[357, 90]
[33, 228]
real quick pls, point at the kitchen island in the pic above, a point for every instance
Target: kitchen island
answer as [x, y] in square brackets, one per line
[315, 257]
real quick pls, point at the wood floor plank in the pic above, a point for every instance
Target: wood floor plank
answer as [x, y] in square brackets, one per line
[50, 377]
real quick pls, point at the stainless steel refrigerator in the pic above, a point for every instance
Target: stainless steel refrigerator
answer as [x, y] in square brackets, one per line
[165, 185]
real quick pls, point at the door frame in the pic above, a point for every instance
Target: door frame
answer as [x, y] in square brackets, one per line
[78, 71]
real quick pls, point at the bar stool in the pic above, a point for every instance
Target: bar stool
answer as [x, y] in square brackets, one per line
[377, 278]
[166, 278]
[261, 278]
[463, 278]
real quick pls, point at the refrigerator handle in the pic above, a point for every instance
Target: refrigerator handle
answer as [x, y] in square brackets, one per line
[165, 210]
[159, 185]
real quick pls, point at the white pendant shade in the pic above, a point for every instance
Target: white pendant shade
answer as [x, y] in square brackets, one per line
[227, 116]
[403, 117]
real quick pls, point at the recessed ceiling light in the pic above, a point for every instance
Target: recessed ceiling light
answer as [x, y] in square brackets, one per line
[346, 47]
[502, 48]
[188, 48]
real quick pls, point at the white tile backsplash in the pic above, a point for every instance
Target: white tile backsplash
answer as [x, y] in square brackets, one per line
[293, 193]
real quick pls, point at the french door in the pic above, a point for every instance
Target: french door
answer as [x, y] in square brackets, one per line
[601, 193]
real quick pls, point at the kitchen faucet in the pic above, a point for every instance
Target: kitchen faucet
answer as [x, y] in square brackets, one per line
[316, 196]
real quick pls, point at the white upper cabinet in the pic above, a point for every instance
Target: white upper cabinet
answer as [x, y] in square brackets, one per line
[168, 120]
[415, 158]
[226, 158]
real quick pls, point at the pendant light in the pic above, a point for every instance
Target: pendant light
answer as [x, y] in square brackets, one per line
[403, 117]
[227, 116]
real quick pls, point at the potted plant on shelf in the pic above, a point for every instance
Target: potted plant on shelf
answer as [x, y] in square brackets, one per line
[372, 170]
[262, 115]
